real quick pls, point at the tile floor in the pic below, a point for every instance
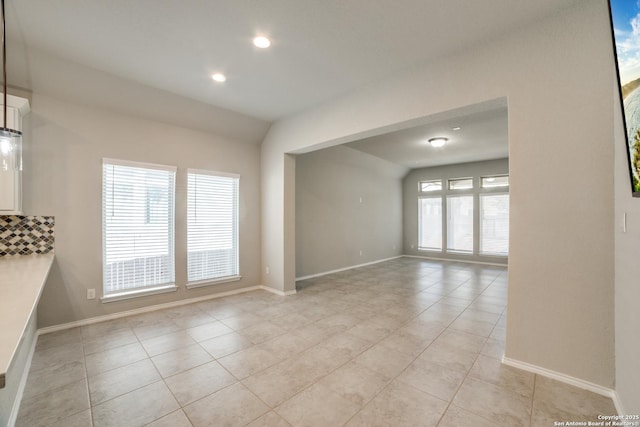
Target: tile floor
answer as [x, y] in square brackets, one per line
[406, 342]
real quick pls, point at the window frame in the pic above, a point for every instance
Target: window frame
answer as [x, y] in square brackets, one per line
[471, 196]
[496, 187]
[150, 289]
[452, 180]
[421, 190]
[488, 194]
[215, 280]
[475, 192]
[442, 235]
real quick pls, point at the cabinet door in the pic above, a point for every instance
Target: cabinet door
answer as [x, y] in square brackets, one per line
[9, 180]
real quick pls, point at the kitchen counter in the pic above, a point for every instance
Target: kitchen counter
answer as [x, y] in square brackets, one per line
[22, 279]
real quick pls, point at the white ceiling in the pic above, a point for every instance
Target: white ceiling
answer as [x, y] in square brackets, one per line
[483, 135]
[321, 49]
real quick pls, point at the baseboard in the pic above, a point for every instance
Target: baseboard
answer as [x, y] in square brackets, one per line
[142, 310]
[277, 291]
[13, 416]
[351, 267]
[618, 404]
[467, 261]
[567, 379]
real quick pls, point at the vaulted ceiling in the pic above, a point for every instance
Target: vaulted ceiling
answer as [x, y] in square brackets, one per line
[143, 54]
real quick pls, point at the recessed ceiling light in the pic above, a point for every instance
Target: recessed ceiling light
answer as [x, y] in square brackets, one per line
[438, 142]
[218, 77]
[456, 128]
[261, 42]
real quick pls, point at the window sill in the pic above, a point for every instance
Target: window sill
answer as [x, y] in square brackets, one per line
[171, 287]
[212, 282]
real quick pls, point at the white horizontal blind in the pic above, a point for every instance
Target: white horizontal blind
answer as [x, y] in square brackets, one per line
[461, 184]
[494, 181]
[430, 223]
[137, 226]
[434, 185]
[494, 224]
[460, 223]
[212, 226]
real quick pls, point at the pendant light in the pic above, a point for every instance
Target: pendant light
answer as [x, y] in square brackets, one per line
[10, 139]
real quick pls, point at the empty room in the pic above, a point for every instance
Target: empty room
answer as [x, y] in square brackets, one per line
[298, 213]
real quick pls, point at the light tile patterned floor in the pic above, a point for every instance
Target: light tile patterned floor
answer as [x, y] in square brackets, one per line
[406, 342]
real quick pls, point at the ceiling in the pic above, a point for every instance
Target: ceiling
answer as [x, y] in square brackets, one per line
[320, 49]
[483, 135]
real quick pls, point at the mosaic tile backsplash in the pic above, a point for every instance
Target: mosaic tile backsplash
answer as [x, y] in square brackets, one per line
[26, 235]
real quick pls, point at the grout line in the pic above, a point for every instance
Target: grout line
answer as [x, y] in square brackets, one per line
[342, 311]
[425, 349]
[533, 395]
[86, 373]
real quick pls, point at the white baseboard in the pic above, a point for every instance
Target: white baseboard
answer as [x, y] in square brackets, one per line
[351, 267]
[618, 404]
[277, 291]
[13, 416]
[142, 310]
[467, 261]
[567, 379]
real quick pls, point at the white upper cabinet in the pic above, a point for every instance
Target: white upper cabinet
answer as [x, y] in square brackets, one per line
[11, 156]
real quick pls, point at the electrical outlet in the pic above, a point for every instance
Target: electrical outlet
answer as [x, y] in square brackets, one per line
[91, 294]
[360, 253]
[412, 247]
[267, 270]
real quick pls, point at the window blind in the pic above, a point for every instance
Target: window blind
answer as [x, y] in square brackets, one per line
[434, 185]
[461, 184]
[494, 224]
[137, 226]
[430, 223]
[212, 226]
[460, 223]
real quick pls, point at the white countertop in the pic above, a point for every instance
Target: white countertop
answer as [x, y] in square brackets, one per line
[21, 281]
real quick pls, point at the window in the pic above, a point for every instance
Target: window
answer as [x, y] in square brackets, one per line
[460, 223]
[430, 223]
[212, 228]
[434, 185]
[494, 224]
[461, 184]
[494, 181]
[137, 227]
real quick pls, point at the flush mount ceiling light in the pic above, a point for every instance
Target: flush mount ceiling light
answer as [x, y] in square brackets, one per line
[218, 77]
[438, 142]
[261, 42]
[456, 128]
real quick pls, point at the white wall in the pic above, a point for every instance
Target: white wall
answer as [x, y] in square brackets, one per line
[45, 74]
[556, 75]
[348, 210]
[627, 298]
[64, 147]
